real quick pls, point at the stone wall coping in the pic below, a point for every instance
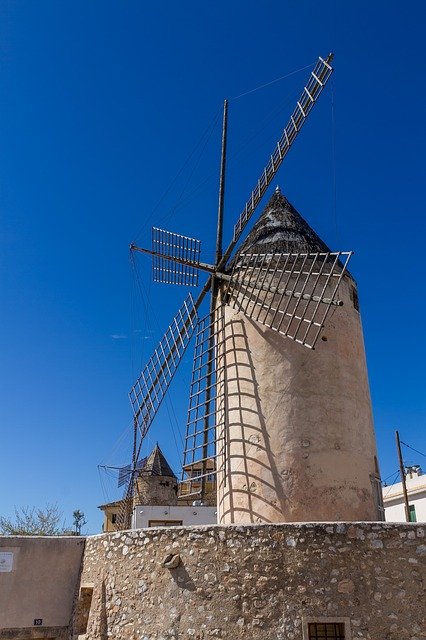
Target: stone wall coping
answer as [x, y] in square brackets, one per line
[379, 525]
[339, 526]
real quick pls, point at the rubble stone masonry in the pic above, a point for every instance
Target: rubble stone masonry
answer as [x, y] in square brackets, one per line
[253, 581]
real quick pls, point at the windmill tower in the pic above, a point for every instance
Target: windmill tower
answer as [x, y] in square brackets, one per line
[300, 440]
[288, 426]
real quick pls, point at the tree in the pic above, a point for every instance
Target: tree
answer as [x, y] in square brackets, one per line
[33, 522]
[79, 520]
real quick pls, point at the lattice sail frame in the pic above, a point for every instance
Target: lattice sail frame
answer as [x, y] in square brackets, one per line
[204, 439]
[311, 92]
[125, 474]
[291, 293]
[151, 386]
[166, 247]
[178, 265]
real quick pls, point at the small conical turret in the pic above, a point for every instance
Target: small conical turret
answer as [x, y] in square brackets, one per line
[156, 483]
[157, 465]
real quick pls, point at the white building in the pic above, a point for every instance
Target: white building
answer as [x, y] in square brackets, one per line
[393, 497]
[172, 515]
[155, 499]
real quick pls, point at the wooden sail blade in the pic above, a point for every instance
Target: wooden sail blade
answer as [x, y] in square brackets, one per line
[126, 504]
[206, 411]
[125, 473]
[310, 94]
[175, 258]
[291, 293]
[150, 388]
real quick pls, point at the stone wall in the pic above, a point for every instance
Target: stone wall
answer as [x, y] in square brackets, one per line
[155, 490]
[255, 581]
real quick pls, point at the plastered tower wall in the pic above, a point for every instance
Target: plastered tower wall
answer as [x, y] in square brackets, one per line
[299, 436]
[300, 439]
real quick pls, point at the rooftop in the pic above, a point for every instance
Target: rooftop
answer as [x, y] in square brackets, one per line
[157, 465]
[281, 229]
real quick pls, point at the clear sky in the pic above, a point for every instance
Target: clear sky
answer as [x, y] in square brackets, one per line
[109, 123]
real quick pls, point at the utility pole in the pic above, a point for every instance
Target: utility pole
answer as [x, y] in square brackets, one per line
[402, 472]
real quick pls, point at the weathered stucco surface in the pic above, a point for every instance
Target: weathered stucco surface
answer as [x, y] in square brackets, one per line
[41, 585]
[256, 581]
[300, 441]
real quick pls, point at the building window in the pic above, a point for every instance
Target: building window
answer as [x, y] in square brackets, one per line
[378, 495]
[113, 518]
[326, 631]
[354, 298]
[320, 628]
[83, 609]
[165, 523]
[412, 513]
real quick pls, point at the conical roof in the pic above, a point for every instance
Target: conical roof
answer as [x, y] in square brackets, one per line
[157, 465]
[281, 229]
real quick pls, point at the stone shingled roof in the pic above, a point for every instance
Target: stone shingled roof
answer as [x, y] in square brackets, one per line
[281, 229]
[157, 465]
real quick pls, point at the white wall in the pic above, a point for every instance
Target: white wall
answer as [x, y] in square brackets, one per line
[396, 513]
[143, 514]
[393, 499]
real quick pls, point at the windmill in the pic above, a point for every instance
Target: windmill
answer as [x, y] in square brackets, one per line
[286, 295]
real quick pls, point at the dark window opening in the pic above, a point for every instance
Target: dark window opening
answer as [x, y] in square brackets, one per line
[164, 523]
[378, 496]
[83, 609]
[354, 298]
[113, 518]
[326, 631]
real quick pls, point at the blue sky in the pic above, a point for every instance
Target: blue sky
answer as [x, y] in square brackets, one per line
[110, 122]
